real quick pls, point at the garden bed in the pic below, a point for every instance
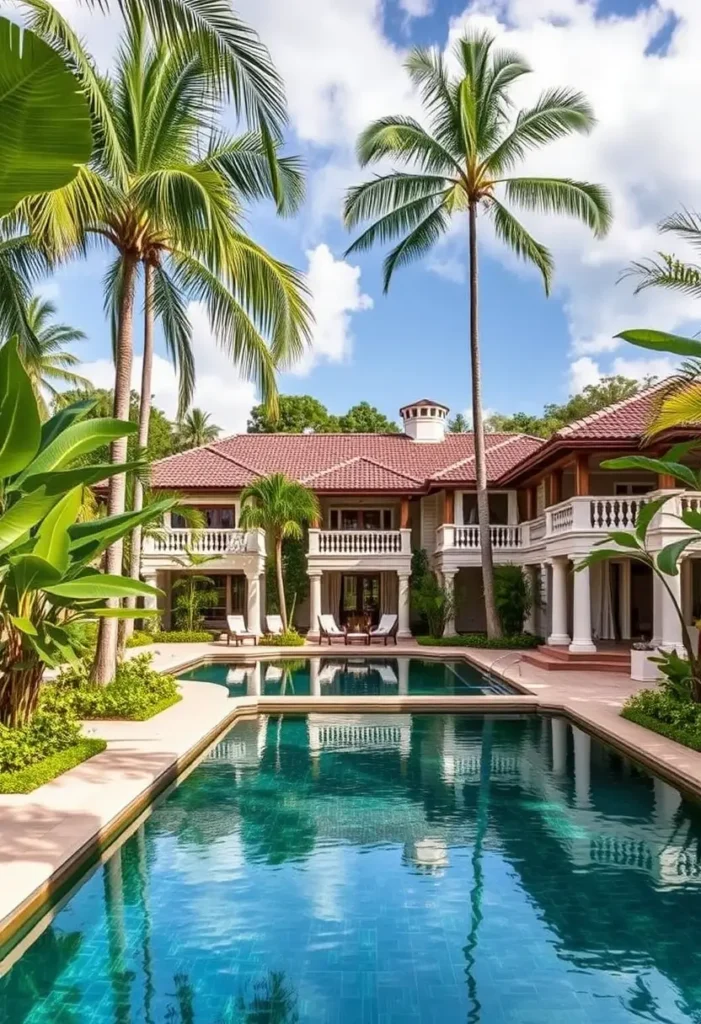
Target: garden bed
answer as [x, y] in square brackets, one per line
[524, 641]
[24, 780]
[678, 720]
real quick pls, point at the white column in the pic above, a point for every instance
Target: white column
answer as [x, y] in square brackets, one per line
[150, 600]
[314, 602]
[582, 767]
[530, 621]
[449, 584]
[263, 601]
[314, 681]
[686, 568]
[669, 634]
[624, 610]
[403, 629]
[559, 742]
[559, 635]
[403, 676]
[581, 614]
[544, 598]
[657, 590]
[253, 602]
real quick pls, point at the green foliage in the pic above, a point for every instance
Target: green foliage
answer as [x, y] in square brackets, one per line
[193, 593]
[162, 439]
[432, 600]
[182, 636]
[297, 413]
[194, 429]
[420, 569]
[590, 400]
[294, 571]
[290, 638]
[26, 780]
[44, 115]
[48, 575]
[137, 691]
[524, 641]
[140, 638]
[513, 597]
[458, 424]
[664, 713]
[52, 729]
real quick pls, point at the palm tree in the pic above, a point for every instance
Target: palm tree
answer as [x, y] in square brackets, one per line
[195, 430]
[279, 506]
[164, 190]
[46, 360]
[21, 265]
[461, 165]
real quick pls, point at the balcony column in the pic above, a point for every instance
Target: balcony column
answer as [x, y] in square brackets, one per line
[253, 607]
[449, 584]
[558, 594]
[667, 629]
[314, 603]
[581, 614]
[150, 600]
[403, 630]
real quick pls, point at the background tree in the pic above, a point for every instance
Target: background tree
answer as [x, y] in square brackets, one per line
[461, 164]
[279, 506]
[296, 413]
[364, 418]
[45, 357]
[195, 429]
[458, 424]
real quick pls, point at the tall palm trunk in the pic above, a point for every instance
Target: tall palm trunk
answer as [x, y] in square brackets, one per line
[280, 583]
[105, 664]
[493, 625]
[126, 626]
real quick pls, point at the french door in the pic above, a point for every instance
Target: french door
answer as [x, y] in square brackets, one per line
[360, 597]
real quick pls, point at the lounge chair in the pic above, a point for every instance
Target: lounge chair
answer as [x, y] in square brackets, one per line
[329, 628]
[273, 624]
[236, 629]
[387, 675]
[386, 630]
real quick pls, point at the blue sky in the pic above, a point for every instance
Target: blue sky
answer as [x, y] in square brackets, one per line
[342, 63]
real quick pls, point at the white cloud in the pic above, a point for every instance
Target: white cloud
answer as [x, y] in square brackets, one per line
[220, 390]
[336, 294]
[583, 372]
[416, 8]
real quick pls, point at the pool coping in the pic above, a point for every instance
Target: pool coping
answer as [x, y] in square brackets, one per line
[41, 886]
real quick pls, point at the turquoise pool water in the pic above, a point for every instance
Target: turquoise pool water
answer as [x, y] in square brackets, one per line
[386, 870]
[346, 676]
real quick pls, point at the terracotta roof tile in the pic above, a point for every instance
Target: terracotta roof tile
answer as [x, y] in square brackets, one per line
[623, 420]
[341, 461]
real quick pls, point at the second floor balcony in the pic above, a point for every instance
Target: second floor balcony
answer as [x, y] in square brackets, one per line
[364, 544]
[218, 543]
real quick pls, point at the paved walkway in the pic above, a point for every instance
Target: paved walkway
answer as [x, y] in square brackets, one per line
[44, 835]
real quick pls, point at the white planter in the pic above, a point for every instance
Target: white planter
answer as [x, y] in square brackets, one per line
[642, 668]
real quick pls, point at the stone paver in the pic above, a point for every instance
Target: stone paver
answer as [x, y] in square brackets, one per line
[46, 834]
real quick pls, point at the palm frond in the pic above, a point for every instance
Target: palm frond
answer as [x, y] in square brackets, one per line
[21, 264]
[171, 310]
[580, 199]
[557, 113]
[679, 408]
[665, 272]
[416, 244]
[246, 165]
[60, 220]
[428, 72]
[385, 193]
[398, 221]
[686, 224]
[405, 139]
[515, 236]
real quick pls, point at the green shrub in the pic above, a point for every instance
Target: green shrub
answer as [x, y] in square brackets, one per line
[52, 729]
[524, 641]
[513, 598]
[83, 637]
[28, 779]
[664, 713]
[139, 638]
[183, 636]
[289, 639]
[137, 692]
[434, 601]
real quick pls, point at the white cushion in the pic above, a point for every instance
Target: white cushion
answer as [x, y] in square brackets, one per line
[274, 624]
[386, 625]
[328, 624]
[236, 624]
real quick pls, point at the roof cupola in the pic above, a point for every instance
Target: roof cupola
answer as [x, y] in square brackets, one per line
[425, 420]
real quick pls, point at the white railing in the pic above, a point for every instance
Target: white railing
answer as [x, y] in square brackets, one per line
[614, 513]
[467, 538]
[587, 514]
[359, 542]
[204, 542]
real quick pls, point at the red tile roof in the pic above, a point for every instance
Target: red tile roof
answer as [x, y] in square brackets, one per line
[622, 421]
[341, 462]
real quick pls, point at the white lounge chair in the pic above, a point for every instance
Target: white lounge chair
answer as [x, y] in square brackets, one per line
[387, 675]
[273, 624]
[386, 630]
[329, 628]
[236, 629]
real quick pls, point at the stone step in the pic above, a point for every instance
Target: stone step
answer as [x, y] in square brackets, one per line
[543, 658]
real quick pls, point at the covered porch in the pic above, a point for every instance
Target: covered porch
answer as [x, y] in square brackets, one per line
[356, 598]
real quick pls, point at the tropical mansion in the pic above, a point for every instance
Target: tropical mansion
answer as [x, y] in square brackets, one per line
[384, 495]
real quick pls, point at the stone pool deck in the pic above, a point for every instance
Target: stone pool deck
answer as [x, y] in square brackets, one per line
[47, 834]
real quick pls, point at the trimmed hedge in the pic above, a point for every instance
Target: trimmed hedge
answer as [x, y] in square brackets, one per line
[136, 693]
[27, 779]
[289, 639]
[525, 641]
[665, 714]
[182, 636]
[140, 638]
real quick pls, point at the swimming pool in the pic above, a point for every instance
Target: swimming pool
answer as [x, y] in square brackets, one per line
[399, 869]
[347, 676]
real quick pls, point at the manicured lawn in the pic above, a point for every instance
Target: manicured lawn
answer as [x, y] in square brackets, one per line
[27, 779]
